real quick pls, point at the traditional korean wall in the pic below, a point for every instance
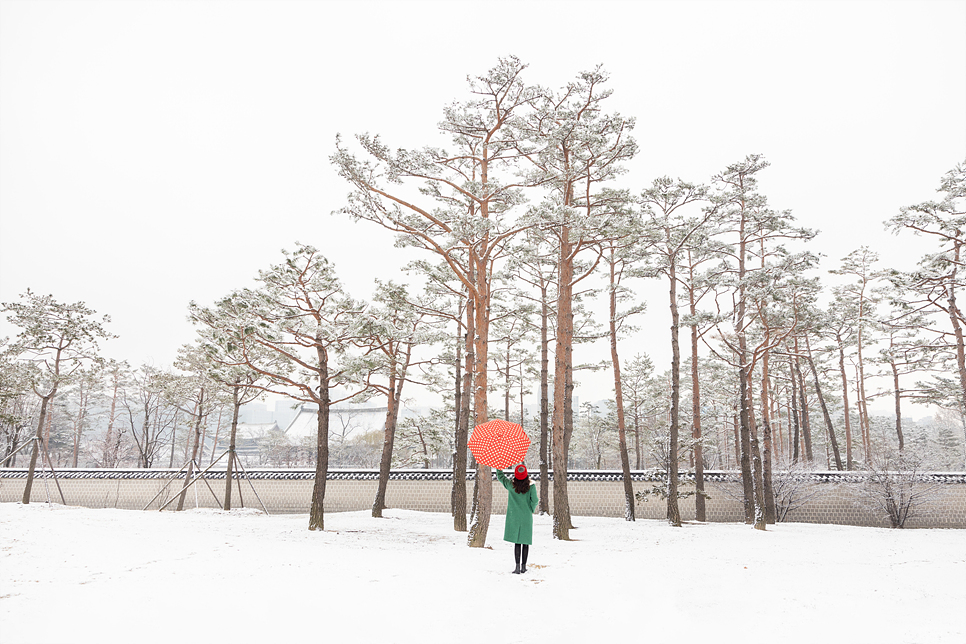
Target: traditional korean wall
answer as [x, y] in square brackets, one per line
[821, 497]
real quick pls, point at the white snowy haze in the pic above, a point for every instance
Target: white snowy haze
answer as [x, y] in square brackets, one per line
[154, 153]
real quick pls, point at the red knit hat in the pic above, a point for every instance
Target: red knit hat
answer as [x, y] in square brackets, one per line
[520, 472]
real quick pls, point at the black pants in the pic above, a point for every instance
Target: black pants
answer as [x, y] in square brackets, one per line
[520, 552]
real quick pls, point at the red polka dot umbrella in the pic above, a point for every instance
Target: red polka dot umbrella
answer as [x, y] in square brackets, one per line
[499, 443]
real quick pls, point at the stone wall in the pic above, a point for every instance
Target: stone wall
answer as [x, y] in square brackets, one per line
[823, 497]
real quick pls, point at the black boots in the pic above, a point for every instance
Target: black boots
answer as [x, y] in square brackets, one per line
[520, 550]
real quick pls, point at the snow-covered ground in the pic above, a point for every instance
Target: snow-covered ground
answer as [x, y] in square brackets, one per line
[81, 575]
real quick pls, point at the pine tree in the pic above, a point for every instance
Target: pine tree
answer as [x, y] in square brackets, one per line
[583, 152]
[620, 256]
[58, 340]
[296, 328]
[467, 214]
[533, 263]
[859, 264]
[671, 234]
[392, 328]
[757, 232]
[938, 280]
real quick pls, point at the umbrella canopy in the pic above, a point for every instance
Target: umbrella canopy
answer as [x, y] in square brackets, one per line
[499, 443]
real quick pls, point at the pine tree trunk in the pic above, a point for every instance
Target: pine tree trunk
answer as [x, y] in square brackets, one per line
[396, 382]
[744, 377]
[863, 427]
[673, 510]
[768, 490]
[174, 435]
[110, 455]
[50, 420]
[862, 403]
[898, 399]
[700, 511]
[79, 424]
[388, 440]
[229, 472]
[14, 444]
[767, 480]
[737, 432]
[458, 495]
[563, 345]
[476, 487]
[758, 475]
[806, 423]
[199, 407]
[777, 425]
[745, 451]
[44, 403]
[637, 443]
[619, 398]
[760, 521]
[544, 402]
[506, 386]
[476, 536]
[569, 419]
[796, 419]
[316, 511]
[828, 418]
[203, 442]
[76, 443]
[845, 404]
[145, 431]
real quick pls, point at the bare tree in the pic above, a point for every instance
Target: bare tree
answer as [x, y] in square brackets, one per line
[793, 489]
[110, 452]
[81, 406]
[895, 487]
[147, 413]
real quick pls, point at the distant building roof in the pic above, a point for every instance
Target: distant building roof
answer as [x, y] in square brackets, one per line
[362, 419]
[246, 438]
[254, 430]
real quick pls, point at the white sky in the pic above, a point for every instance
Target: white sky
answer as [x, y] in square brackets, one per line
[153, 153]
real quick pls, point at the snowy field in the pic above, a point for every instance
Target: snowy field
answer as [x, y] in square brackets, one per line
[82, 575]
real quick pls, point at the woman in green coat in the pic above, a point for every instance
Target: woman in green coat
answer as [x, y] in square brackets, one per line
[521, 503]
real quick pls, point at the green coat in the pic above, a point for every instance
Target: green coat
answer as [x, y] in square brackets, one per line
[519, 512]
